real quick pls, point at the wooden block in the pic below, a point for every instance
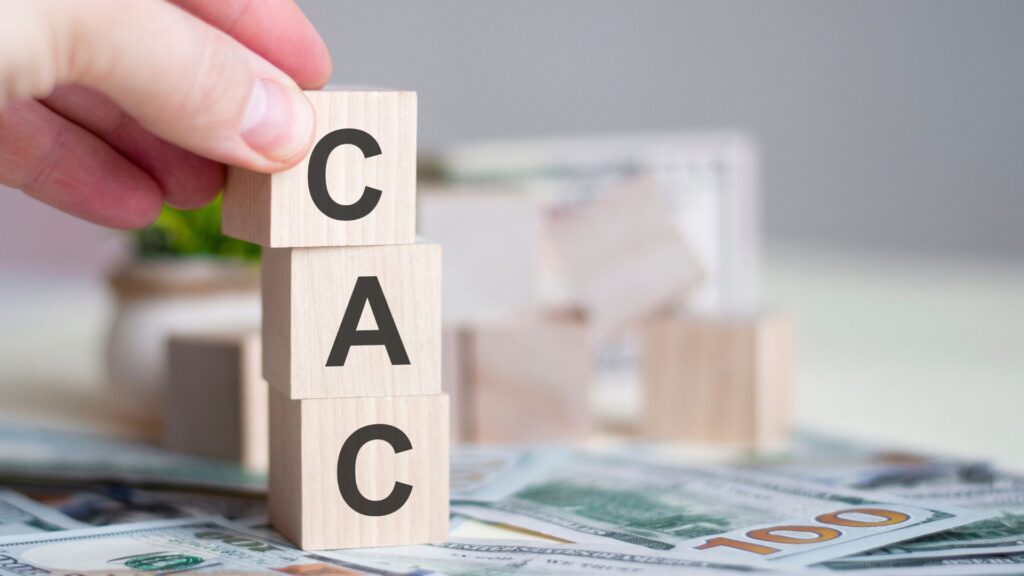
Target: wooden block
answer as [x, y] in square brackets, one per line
[528, 381]
[335, 484]
[474, 225]
[317, 301]
[454, 351]
[216, 400]
[719, 379]
[369, 141]
[624, 257]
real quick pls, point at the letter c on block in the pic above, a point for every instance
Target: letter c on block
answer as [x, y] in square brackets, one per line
[317, 174]
[347, 470]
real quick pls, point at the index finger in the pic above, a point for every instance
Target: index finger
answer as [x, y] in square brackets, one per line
[277, 30]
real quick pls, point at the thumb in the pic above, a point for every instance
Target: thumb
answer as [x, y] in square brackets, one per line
[187, 82]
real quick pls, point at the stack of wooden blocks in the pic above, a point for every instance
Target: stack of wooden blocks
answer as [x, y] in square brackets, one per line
[351, 331]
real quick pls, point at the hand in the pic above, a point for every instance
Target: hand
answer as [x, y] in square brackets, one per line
[109, 108]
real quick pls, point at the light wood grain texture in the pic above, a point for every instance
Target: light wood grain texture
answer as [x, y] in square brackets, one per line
[624, 258]
[305, 295]
[723, 380]
[454, 357]
[475, 224]
[277, 210]
[528, 381]
[216, 400]
[306, 504]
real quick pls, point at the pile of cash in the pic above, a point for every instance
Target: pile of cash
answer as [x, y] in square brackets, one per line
[636, 508]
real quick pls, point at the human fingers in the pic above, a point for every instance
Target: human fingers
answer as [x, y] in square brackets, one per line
[188, 181]
[64, 165]
[179, 77]
[274, 29]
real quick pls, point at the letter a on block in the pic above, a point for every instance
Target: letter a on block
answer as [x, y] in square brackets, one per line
[357, 187]
[318, 303]
[368, 291]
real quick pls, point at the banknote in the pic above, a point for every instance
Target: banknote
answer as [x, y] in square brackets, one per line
[721, 513]
[21, 515]
[37, 455]
[970, 486]
[495, 557]
[41, 455]
[490, 472]
[207, 545]
[862, 466]
[964, 566]
[513, 557]
[119, 504]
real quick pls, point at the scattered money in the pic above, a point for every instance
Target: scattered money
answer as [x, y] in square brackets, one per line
[968, 486]
[485, 473]
[122, 504]
[21, 515]
[619, 511]
[721, 513]
[985, 564]
[167, 546]
[509, 558]
[40, 455]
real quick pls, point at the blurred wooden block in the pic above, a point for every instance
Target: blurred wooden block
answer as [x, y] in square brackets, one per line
[281, 210]
[720, 380]
[380, 290]
[454, 344]
[474, 225]
[340, 467]
[528, 381]
[624, 258]
[216, 400]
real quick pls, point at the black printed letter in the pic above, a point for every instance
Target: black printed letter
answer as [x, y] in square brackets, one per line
[368, 290]
[318, 174]
[347, 470]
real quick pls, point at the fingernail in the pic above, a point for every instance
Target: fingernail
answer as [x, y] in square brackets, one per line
[278, 121]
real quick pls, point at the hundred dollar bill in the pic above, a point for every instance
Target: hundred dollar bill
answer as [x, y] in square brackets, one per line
[490, 472]
[206, 545]
[720, 513]
[970, 486]
[513, 557]
[21, 515]
[967, 566]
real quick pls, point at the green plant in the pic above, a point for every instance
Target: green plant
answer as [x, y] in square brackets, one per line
[191, 233]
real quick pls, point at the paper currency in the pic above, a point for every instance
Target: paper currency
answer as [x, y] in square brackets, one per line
[41, 455]
[123, 504]
[512, 557]
[836, 462]
[968, 486]
[721, 513]
[170, 546]
[493, 557]
[974, 565]
[21, 515]
[485, 473]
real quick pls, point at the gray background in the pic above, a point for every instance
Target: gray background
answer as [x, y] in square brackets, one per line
[885, 125]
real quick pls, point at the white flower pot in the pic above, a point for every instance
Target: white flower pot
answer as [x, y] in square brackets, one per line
[156, 298]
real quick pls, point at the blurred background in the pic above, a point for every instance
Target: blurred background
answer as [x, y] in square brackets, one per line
[855, 164]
